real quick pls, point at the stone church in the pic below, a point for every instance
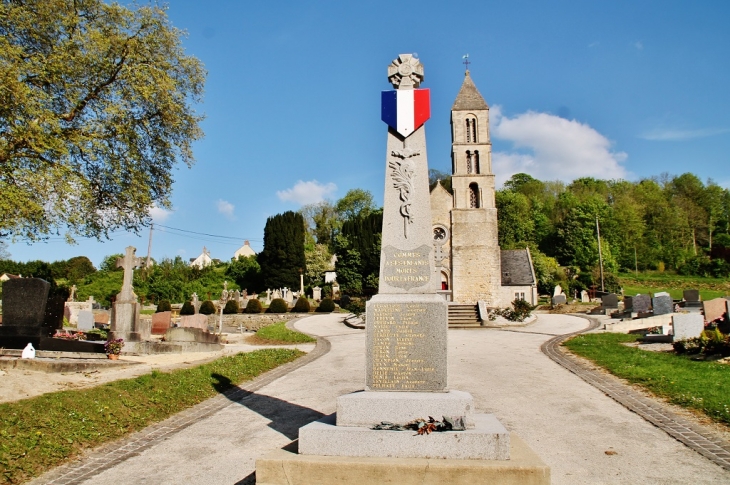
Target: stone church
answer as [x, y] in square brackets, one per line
[473, 267]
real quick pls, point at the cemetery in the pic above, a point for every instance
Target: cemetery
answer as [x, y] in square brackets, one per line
[482, 327]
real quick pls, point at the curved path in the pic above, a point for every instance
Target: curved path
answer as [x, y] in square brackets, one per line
[698, 438]
[583, 435]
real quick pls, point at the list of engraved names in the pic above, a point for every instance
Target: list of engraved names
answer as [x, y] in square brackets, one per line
[400, 348]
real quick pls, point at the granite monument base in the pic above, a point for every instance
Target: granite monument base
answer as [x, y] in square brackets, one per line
[487, 440]
[367, 408]
[283, 467]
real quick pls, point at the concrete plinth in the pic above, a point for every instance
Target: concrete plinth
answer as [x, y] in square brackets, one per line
[488, 440]
[372, 407]
[286, 468]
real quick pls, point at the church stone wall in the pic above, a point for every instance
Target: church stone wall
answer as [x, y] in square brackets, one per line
[476, 264]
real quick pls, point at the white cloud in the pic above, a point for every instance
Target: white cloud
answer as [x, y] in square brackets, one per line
[549, 147]
[680, 135]
[304, 193]
[158, 214]
[226, 208]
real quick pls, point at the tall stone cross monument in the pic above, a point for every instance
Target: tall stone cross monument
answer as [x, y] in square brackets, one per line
[125, 315]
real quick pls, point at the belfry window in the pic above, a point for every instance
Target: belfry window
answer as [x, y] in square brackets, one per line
[473, 196]
[471, 130]
[476, 162]
[468, 162]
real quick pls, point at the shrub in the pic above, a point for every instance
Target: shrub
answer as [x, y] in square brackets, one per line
[326, 305]
[301, 306]
[278, 305]
[353, 305]
[253, 306]
[520, 310]
[187, 309]
[207, 308]
[163, 306]
[231, 307]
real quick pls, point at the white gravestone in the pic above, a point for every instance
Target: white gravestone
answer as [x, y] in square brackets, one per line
[687, 325]
[86, 321]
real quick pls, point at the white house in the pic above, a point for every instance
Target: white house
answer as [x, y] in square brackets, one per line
[244, 250]
[203, 260]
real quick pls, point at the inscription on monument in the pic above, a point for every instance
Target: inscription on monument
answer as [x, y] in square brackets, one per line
[402, 348]
[407, 268]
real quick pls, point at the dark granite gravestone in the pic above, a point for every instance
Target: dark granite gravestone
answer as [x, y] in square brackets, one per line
[609, 300]
[642, 303]
[24, 302]
[559, 300]
[628, 303]
[691, 295]
[662, 304]
[32, 317]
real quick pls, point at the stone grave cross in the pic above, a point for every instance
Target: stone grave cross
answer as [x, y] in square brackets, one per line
[128, 262]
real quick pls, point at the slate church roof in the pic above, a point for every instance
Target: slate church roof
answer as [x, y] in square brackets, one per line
[469, 97]
[517, 268]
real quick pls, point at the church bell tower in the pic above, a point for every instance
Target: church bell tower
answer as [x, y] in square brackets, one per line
[475, 252]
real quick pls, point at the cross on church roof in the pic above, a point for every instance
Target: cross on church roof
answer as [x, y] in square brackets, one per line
[466, 61]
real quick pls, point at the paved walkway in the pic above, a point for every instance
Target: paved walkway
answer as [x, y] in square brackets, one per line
[580, 432]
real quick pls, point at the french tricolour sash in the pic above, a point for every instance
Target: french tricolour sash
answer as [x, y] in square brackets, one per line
[405, 110]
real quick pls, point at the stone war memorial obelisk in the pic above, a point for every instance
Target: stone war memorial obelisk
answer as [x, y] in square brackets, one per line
[406, 350]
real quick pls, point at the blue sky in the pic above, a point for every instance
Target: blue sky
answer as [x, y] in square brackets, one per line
[609, 89]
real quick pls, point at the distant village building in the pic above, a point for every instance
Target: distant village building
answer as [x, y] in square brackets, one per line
[203, 260]
[7, 276]
[471, 264]
[244, 250]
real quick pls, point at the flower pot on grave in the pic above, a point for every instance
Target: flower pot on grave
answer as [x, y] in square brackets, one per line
[113, 356]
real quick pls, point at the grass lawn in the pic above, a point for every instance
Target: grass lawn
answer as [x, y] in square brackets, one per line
[652, 282]
[699, 385]
[278, 334]
[40, 433]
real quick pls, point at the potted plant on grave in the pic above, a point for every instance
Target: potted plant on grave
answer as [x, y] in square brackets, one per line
[113, 348]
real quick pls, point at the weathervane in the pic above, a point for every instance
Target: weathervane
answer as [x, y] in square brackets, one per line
[466, 61]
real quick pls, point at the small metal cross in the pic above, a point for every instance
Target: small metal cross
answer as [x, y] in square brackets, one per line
[466, 61]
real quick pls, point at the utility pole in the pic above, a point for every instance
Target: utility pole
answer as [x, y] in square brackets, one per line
[600, 254]
[149, 246]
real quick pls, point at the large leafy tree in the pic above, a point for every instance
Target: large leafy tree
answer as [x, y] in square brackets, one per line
[95, 110]
[283, 256]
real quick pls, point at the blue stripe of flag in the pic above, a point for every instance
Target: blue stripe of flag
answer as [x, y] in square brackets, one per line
[389, 111]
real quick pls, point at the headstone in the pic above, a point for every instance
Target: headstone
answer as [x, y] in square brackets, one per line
[194, 321]
[584, 297]
[691, 295]
[662, 304]
[335, 290]
[195, 302]
[237, 296]
[687, 325]
[628, 303]
[24, 302]
[714, 309]
[641, 303]
[85, 321]
[558, 290]
[559, 300]
[662, 293]
[101, 317]
[316, 293]
[161, 322]
[610, 300]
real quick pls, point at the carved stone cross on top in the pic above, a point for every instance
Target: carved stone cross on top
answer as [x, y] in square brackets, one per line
[128, 262]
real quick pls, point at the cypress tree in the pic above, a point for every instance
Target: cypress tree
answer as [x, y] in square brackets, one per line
[283, 254]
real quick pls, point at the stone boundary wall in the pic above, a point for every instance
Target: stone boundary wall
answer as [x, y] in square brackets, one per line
[250, 321]
[253, 321]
